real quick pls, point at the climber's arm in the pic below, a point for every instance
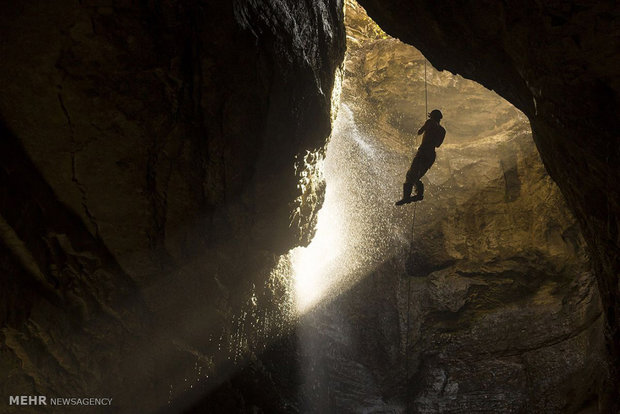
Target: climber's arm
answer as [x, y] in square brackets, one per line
[421, 130]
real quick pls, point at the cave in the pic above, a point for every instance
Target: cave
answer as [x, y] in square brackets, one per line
[197, 207]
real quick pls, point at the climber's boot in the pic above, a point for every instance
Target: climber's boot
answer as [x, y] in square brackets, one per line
[406, 194]
[419, 191]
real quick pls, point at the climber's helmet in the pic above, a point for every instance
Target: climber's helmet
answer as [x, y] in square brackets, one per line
[435, 114]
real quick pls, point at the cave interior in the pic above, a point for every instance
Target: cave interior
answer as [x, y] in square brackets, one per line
[197, 206]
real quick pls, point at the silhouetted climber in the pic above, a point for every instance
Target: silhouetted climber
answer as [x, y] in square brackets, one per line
[424, 158]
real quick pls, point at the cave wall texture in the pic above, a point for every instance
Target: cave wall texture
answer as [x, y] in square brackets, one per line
[558, 63]
[151, 155]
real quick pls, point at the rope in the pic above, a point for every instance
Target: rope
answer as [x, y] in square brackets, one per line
[415, 205]
[408, 396]
[425, 92]
[407, 345]
[408, 401]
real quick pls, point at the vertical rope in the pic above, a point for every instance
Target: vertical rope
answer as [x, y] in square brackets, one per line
[425, 91]
[407, 394]
[407, 398]
[415, 205]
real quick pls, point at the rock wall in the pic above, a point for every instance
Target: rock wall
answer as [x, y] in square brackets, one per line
[557, 62]
[152, 154]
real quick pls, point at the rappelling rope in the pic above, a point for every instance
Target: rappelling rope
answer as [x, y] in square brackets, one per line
[425, 93]
[408, 399]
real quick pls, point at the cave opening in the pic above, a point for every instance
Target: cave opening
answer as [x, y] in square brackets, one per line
[382, 105]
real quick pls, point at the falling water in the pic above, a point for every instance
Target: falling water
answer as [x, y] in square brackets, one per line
[356, 227]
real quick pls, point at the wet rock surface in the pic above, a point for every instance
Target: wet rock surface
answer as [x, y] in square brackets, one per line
[151, 156]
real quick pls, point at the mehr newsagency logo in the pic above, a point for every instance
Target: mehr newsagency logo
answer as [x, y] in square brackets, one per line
[58, 401]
